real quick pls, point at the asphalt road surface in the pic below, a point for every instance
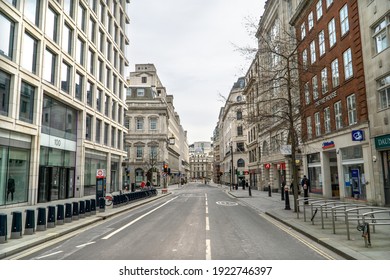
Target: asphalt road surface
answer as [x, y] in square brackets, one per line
[196, 222]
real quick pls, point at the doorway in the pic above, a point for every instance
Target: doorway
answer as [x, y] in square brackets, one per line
[55, 183]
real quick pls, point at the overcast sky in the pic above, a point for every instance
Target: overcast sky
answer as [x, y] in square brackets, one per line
[191, 43]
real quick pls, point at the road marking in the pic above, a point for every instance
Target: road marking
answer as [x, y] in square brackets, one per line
[136, 220]
[207, 210]
[86, 244]
[52, 254]
[227, 203]
[208, 249]
[207, 223]
[288, 231]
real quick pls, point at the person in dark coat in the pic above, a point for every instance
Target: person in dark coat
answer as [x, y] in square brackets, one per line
[11, 188]
[305, 185]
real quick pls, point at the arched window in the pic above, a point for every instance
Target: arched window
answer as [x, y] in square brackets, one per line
[265, 148]
[240, 163]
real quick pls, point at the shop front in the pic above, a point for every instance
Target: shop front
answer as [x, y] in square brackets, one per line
[382, 144]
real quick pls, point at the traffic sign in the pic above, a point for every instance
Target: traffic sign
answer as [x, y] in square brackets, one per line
[101, 173]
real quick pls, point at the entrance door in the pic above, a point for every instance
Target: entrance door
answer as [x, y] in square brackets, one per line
[44, 184]
[70, 183]
[386, 175]
[62, 183]
[55, 183]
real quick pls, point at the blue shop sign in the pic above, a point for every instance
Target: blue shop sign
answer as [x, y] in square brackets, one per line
[357, 135]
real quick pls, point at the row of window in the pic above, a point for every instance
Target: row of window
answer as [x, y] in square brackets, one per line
[140, 124]
[109, 132]
[338, 118]
[140, 152]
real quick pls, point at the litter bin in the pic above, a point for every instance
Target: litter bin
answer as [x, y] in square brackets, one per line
[51, 216]
[29, 227]
[68, 212]
[75, 215]
[60, 214]
[16, 230]
[41, 223]
[3, 228]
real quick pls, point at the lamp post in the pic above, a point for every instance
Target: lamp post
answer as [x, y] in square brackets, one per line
[170, 142]
[232, 168]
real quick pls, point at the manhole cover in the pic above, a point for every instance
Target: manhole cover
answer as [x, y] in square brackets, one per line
[227, 203]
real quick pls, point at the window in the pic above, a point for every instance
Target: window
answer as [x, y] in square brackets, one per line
[88, 127]
[99, 75]
[239, 131]
[327, 119]
[239, 115]
[153, 124]
[347, 57]
[65, 77]
[153, 152]
[108, 77]
[31, 10]
[314, 82]
[140, 152]
[92, 27]
[335, 73]
[81, 17]
[91, 61]
[89, 94]
[319, 9]
[310, 21]
[67, 39]
[332, 33]
[344, 20]
[140, 92]
[80, 51]
[106, 102]
[303, 31]
[99, 98]
[106, 127]
[324, 80]
[381, 36]
[119, 139]
[139, 124]
[240, 163]
[313, 57]
[7, 28]
[384, 92]
[328, 3]
[240, 147]
[307, 94]
[12, 2]
[352, 114]
[51, 25]
[101, 40]
[5, 89]
[304, 58]
[68, 7]
[338, 115]
[29, 53]
[317, 123]
[49, 66]
[79, 80]
[113, 133]
[309, 128]
[321, 42]
[98, 131]
[113, 110]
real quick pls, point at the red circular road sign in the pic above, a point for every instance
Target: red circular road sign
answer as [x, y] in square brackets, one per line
[267, 166]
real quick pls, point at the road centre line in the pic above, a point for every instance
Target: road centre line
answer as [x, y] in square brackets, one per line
[136, 220]
[207, 223]
[208, 249]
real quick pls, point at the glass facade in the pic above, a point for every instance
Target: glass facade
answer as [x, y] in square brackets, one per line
[7, 36]
[93, 160]
[26, 105]
[29, 53]
[5, 84]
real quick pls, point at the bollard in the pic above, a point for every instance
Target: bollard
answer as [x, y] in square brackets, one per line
[102, 204]
[68, 212]
[41, 223]
[16, 229]
[29, 227]
[60, 214]
[87, 207]
[51, 216]
[82, 209]
[93, 206]
[75, 215]
[3, 228]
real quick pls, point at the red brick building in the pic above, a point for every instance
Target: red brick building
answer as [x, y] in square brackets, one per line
[333, 98]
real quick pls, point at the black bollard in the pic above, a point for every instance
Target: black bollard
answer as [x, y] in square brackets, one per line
[16, 230]
[102, 204]
[75, 214]
[68, 212]
[249, 190]
[41, 223]
[51, 216]
[287, 199]
[269, 191]
[60, 214]
[82, 209]
[29, 226]
[87, 207]
[93, 206]
[3, 228]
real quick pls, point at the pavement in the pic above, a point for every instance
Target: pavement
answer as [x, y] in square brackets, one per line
[273, 206]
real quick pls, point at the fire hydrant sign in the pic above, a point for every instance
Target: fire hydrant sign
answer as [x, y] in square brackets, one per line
[101, 173]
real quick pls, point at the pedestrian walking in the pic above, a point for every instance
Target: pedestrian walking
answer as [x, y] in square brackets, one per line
[305, 185]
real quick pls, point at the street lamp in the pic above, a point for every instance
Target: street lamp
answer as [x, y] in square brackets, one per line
[170, 141]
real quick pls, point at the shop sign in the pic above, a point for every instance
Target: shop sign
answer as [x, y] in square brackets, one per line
[382, 142]
[328, 145]
[357, 135]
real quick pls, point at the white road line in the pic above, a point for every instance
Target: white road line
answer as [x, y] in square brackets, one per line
[52, 254]
[207, 223]
[207, 210]
[86, 244]
[208, 249]
[136, 220]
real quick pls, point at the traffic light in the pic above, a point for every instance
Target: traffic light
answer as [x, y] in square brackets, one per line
[127, 170]
[166, 168]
